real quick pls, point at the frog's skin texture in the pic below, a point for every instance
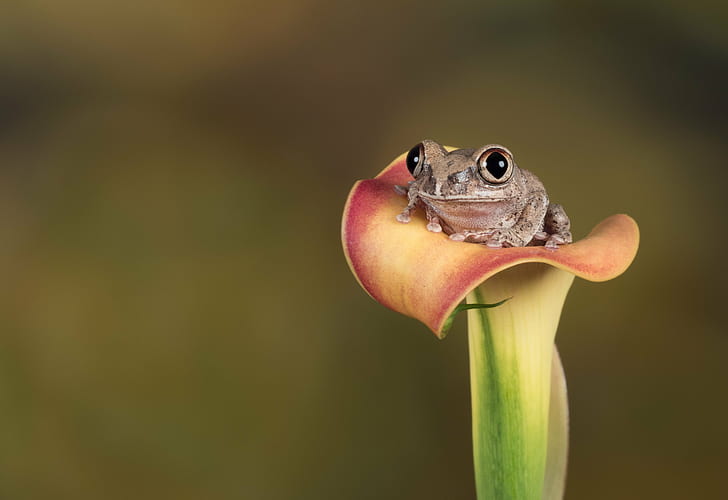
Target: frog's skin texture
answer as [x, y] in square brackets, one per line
[481, 196]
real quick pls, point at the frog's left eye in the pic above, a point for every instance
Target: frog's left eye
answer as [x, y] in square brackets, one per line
[495, 166]
[415, 159]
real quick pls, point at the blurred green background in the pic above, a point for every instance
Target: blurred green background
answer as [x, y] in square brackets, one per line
[177, 317]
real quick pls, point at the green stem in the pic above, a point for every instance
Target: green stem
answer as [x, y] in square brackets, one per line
[511, 351]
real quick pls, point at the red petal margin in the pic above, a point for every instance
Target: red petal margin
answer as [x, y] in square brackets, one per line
[424, 275]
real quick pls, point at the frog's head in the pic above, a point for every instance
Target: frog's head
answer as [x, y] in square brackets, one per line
[487, 173]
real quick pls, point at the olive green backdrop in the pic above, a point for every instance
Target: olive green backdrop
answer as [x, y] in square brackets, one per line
[177, 319]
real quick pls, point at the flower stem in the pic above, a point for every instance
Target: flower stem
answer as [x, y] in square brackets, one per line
[511, 365]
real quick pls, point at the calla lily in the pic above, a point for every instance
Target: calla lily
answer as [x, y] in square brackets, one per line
[520, 428]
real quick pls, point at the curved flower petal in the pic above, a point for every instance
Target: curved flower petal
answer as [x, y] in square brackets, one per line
[425, 275]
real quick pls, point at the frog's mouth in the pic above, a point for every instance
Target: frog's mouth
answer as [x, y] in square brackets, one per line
[460, 198]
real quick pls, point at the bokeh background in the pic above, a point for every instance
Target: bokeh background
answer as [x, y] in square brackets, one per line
[177, 319]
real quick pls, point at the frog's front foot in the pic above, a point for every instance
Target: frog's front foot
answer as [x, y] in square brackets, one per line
[433, 223]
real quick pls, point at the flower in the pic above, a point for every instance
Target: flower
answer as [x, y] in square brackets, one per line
[424, 275]
[518, 391]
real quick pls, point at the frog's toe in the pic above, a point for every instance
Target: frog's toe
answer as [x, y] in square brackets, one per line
[555, 240]
[401, 190]
[457, 237]
[494, 243]
[404, 217]
[434, 227]
[541, 236]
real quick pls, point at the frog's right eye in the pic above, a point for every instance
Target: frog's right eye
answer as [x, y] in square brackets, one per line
[415, 159]
[496, 165]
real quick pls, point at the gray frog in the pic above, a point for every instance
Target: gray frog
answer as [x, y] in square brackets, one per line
[481, 196]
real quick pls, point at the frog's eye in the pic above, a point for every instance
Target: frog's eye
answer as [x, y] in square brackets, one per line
[415, 159]
[495, 166]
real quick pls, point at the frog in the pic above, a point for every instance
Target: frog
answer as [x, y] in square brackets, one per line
[481, 196]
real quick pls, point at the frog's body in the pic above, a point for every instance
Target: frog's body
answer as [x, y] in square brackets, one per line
[481, 196]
